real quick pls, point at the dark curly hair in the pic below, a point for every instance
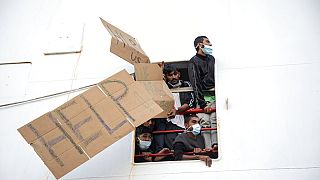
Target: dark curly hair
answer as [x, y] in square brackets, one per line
[198, 39]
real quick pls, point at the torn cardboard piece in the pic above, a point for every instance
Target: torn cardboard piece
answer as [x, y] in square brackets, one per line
[124, 45]
[127, 52]
[151, 77]
[148, 72]
[79, 129]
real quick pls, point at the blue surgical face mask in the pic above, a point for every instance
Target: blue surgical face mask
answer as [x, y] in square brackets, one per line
[207, 50]
[144, 145]
[195, 129]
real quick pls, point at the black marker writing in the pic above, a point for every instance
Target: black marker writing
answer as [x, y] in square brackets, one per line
[116, 99]
[46, 145]
[110, 130]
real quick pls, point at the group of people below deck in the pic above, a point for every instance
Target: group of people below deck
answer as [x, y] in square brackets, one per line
[192, 140]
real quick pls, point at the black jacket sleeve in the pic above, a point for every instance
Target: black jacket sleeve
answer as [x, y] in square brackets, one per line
[178, 151]
[187, 97]
[195, 81]
[208, 80]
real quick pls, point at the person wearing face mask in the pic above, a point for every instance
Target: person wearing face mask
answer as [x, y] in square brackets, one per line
[144, 146]
[201, 71]
[183, 101]
[191, 140]
[143, 143]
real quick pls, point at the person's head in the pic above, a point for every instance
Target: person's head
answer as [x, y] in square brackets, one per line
[202, 45]
[171, 74]
[143, 137]
[191, 120]
[192, 125]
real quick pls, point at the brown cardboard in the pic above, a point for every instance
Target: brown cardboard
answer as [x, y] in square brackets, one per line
[150, 76]
[71, 159]
[148, 72]
[112, 123]
[52, 145]
[129, 96]
[127, 53]
[43, 124]
[161, 95]
[90, 122]
[124, 45]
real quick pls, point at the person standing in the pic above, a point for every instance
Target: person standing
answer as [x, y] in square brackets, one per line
[201, 71]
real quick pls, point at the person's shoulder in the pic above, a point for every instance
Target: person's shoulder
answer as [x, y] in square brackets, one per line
[200, 137]
[137, 149]
[194, 58]
[193, 62]
[181, 135]
[180, 138]
[211, 57]
[185, 83]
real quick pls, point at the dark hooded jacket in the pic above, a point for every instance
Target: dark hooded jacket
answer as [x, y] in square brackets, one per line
[201, 76]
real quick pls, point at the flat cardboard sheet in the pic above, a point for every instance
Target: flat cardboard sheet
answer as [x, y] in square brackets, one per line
[124, 45]
[161, 94]
[148, 72]
[151, 77]
[71, 134]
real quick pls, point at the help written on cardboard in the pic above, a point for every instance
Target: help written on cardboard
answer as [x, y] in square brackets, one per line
[71, 134]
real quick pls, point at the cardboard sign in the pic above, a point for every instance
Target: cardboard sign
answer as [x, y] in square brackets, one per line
[150, 76]
[124, 45]
[76, 131]
[148, 72]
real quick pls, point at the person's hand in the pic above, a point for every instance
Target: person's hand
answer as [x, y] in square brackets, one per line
[215, 147]
[164, 150]
[197, 150]
[206, 159]
[208, 110]
[146, 157]
[161, 64]
[172, 113]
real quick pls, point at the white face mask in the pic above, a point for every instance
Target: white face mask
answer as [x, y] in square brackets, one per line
[196, 128]
[207, 50]
[144, 144]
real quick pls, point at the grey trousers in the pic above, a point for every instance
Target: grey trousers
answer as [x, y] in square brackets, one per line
[207, 121]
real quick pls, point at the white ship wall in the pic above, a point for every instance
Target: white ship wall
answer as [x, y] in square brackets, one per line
[267, 80]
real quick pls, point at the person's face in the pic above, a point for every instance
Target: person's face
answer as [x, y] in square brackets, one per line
[205, 41]
[149, 123]
[145, 137]
[173, 77]
[192, 121]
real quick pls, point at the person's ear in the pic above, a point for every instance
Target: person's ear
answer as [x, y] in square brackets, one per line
[186, 125]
